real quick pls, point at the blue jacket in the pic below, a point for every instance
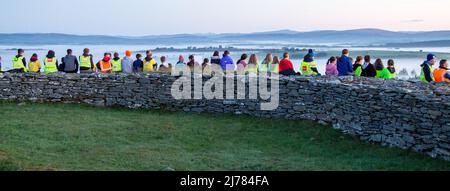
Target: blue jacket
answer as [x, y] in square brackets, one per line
[344, 66]
[225, 62]
[138, 65]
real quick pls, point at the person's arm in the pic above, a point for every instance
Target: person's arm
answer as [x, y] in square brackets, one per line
[24, 62]
[76, 65]
[427, 72]
[315, 70]
[350, 67]
[92, 62]
[447, 75]
[98, 65]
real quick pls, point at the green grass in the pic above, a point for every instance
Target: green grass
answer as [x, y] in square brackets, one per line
[77, 137]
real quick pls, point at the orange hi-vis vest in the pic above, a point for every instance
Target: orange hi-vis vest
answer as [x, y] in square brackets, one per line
[439, 75]
[105, 67]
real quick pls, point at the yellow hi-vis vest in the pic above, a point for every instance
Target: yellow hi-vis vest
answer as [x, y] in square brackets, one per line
[252, 68]
[305, 68]
[149, 65]
[18, 63]
[116, 65]
[274, 68]
[422, 74]
[85, 61]
[50, 65]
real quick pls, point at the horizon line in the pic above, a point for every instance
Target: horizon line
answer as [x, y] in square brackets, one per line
[225, 33]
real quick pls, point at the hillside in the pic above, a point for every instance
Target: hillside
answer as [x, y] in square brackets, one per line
[360, 37]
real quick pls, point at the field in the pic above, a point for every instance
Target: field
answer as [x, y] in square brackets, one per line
[77, 137]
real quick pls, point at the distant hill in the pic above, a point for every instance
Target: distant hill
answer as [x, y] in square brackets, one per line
[360, 37]
[436, 43]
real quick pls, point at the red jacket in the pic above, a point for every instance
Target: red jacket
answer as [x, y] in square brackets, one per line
[285, 64]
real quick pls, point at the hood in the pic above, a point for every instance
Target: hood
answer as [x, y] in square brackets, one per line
[33, 59]
[106, 59]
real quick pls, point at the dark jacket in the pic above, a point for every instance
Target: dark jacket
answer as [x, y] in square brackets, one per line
[369, 71]
[69, 64]
[138, 65]
[215, 60]
[344, 66]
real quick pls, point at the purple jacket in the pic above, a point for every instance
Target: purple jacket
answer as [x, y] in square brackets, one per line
[332, 70]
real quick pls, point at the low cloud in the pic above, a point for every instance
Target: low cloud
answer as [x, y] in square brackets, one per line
[414, 21]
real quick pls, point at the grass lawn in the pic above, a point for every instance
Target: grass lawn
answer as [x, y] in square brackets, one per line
[77, 137]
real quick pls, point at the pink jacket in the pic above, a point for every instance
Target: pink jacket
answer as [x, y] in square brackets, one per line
[332, 70]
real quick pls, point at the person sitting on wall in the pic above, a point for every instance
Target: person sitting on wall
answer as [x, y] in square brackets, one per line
[286, 67]
[344, 64]
[427, 68]
[138, 64]
[165, 67]
[104, 65]
[357, 67]
[442, 73]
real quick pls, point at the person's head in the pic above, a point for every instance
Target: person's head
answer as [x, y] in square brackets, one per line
[442, 64]
[20, 52]
[310, 51]
[332, 60]
[269, 57]
[51, 54]
[86, 51]
[191, 58]
[216, 53]
[205, 61]
[286, 55]
[107, 54]
[116, 55]
[244, 57]
[34, 55]
[345, 52]
[149, 53]
[181, 58]
[367, 59]
[390, 63]
[253, 59]
[128, 53]
[69, 51]
[379, 64]
[359, 60]
[276, 60]
[139, 56]
[226, 53]
[431, 58]
[163, 59]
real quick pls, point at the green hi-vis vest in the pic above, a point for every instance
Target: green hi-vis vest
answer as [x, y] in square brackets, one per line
[305, 68]
[85, 61]
[50, 65]
[392, 75]
[274, 68]
[252, 68]
[18, 63]
[384, 74]
[116, 65]
[422, 74]
[264, 67]
[358, 71]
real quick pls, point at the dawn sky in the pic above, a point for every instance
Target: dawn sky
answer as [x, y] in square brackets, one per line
[148, 17]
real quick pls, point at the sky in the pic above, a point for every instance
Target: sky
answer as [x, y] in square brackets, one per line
[155, 17]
